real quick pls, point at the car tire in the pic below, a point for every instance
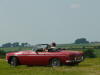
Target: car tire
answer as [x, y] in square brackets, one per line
[14, 61]
[55, 62]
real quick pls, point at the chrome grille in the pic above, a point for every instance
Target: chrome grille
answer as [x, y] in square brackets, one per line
[79, 58]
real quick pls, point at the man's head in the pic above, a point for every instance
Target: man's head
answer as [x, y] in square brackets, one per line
[53, 44]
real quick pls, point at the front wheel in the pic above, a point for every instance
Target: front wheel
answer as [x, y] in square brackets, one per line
[55, 62]
[14, 61]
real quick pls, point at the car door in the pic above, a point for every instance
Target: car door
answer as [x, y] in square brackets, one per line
[33, 58]
[40, 58]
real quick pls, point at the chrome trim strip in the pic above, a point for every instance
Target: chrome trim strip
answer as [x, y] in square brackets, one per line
[36, 55]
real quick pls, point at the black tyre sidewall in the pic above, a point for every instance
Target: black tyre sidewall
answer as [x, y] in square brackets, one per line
[57, 61]
[14, 61]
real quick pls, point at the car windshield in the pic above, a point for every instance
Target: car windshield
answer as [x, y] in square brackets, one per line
[40, 47]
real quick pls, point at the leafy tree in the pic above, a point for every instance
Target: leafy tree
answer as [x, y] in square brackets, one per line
[6, 45]
[24, 44]
[15, 44]
[81, 41]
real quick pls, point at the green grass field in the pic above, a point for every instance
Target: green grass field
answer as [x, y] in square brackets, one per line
[91, 66]
[88, 67]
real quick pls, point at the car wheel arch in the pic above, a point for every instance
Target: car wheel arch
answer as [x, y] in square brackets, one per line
[9, 60]
[55, 58]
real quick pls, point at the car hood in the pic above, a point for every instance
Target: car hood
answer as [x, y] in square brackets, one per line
[68, 52]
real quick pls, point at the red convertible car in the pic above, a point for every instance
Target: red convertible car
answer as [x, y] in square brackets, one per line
[37, 56]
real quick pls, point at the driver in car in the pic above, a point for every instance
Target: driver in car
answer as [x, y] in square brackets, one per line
[52, 49]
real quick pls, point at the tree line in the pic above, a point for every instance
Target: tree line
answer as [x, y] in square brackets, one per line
[15, 44]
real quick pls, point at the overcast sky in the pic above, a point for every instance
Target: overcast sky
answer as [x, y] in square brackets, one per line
[44, 21]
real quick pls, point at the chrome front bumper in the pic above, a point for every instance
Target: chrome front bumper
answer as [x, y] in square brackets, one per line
[76, 59]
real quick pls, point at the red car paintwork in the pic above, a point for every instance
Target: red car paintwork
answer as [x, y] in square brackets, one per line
[43, 58]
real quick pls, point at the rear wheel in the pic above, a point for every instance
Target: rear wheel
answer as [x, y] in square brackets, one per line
[55, 62]
[14, 61]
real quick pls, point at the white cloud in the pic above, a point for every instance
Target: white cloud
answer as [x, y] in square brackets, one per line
[75, 6]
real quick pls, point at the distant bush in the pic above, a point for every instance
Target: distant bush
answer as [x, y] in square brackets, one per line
[81, 41]
[2, 53]
[89, 53]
